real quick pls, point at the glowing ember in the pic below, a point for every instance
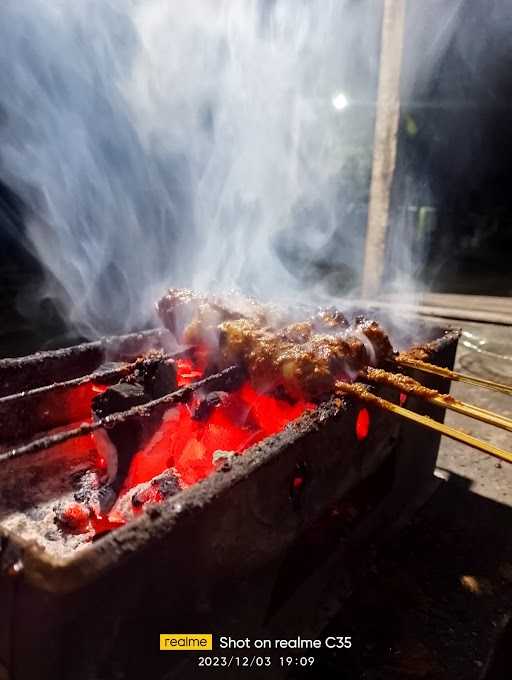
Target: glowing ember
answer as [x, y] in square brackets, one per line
[243, 418]
[103, 524]
[297, 482]
[193, 438]
[187, 372]
[74, 518]
[362, 424]
[75, 405]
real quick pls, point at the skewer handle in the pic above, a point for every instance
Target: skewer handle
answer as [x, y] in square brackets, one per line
[360, 392]
[408, 385]
[454, 375]
[451, 432]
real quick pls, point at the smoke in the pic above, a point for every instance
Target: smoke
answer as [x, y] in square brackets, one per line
[210, 144]
[100, 209]
[159, 143]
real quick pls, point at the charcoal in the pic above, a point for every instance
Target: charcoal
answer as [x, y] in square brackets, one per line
[153, 377]
[120, 397]
[72, 518]
[167, 484]
[207, 404]
[107, 496]
[125, 439]
[156, 374]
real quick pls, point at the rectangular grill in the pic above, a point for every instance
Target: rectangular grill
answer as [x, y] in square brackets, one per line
[228, 552]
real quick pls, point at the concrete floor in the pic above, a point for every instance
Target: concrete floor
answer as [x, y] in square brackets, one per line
[485, 475]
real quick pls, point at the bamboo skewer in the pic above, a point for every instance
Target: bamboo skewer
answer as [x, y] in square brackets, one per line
[453, 375]
[471, 411]
[410, 386]
[363, 394]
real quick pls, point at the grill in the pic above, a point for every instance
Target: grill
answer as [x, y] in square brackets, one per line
[255, 546]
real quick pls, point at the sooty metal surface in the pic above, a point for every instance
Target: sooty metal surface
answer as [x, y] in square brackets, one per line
[216, 555]
[50, 389]
[46, 368]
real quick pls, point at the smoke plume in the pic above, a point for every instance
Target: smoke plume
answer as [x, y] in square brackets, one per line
[210, 144]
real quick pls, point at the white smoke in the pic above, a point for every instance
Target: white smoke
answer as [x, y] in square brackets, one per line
[195, 143]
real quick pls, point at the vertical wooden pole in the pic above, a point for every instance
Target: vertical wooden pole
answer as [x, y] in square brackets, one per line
[384, 145]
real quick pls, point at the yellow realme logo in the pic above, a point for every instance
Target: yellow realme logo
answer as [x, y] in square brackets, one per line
[174, 642]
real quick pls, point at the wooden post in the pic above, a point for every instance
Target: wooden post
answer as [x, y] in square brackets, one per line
[384, 145]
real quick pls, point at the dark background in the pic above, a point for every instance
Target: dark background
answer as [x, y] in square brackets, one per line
[27, 323]
[454, 154]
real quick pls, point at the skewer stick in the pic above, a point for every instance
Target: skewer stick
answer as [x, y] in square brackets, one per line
[363, 394]
[408, 385]
[473, 412]
[453, 375]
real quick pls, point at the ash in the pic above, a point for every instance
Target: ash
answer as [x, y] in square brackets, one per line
[32, 490]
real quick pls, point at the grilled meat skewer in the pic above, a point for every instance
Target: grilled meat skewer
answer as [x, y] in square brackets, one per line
[307, 364]
[304, 357]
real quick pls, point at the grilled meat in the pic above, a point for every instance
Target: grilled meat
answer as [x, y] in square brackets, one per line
[194, 318]
[306, 364]
[305, 357]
